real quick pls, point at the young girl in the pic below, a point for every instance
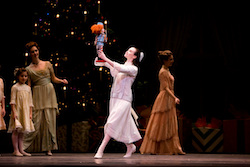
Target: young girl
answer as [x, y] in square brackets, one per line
[2, 106]
[21, 111]
[120, 124]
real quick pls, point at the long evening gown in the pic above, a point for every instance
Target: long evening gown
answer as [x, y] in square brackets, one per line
[161, 135]
[44, 111]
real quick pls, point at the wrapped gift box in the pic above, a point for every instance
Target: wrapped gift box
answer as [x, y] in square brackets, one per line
[247, 136]
[207, 140]
[236, 136]
[62, 138]
[80, 136]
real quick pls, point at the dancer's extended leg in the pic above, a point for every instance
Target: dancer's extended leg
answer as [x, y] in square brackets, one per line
[100, 150]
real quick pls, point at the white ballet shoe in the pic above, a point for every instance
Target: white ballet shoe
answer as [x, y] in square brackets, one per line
[98, 155]
[130, 151]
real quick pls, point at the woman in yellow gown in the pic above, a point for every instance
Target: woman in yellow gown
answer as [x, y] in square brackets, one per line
[161, 135]
[41, 74]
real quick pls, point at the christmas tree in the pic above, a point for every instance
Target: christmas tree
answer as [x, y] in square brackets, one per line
[63, 29]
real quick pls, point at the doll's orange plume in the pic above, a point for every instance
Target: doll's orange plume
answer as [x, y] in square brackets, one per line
[96, 28]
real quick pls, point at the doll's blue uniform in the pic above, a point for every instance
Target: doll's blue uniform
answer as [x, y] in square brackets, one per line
[100, 40]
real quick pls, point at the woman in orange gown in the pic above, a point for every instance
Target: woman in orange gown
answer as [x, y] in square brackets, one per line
[161, 135]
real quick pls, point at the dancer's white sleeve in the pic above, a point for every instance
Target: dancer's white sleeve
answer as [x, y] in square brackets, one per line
[128, 69]
[113, 71]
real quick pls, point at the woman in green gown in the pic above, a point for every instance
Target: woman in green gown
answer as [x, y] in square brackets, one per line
[41, 73]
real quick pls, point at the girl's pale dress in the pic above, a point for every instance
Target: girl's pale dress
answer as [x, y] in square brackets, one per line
[120, 124]
[44, 112]
[2, 122]
[161, 135]
[22, 99]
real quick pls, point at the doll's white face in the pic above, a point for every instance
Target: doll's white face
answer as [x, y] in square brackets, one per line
[130, 53]
[102, 31]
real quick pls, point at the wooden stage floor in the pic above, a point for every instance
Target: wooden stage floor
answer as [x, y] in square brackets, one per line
[86, 159]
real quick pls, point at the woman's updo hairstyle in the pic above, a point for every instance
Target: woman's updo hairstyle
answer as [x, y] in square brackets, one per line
[30, 45]
[139, 56]
[164, 55]
[136, 61]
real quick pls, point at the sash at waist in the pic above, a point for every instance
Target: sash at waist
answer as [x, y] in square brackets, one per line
[42, 81]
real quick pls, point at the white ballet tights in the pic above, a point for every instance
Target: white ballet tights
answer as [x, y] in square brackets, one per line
[100, 150]
[131, 148]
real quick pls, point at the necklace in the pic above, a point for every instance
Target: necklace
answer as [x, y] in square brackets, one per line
[36, 64]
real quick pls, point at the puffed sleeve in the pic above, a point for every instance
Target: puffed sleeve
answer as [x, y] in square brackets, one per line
[128, 69]
[51, 69]
[164, 79]
[13, 95]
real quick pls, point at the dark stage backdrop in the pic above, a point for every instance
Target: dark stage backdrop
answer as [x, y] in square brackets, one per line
[208, 42]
